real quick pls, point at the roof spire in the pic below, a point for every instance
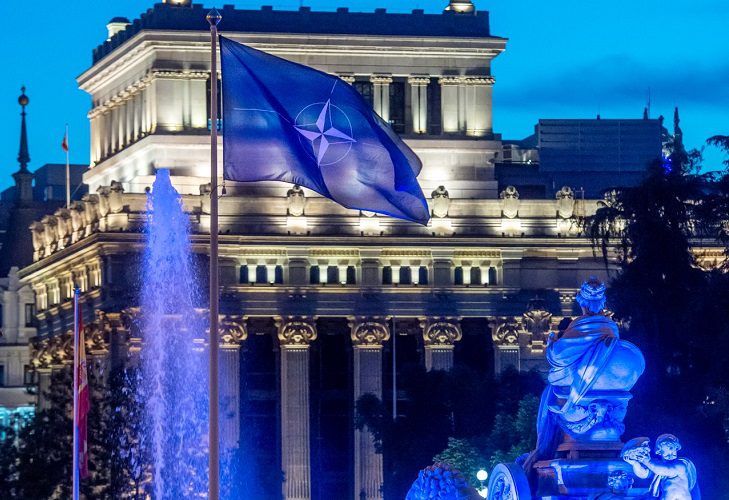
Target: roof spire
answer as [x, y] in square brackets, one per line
[677, 132]
[23, 155]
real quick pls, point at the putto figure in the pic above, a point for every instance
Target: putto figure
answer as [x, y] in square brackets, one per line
[673, 478]
[591, 372]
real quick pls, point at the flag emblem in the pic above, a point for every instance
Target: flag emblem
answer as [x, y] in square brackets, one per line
[327, 131]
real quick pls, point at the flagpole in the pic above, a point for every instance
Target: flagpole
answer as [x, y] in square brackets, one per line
[75, 480]
[213, 18]
[68, 174]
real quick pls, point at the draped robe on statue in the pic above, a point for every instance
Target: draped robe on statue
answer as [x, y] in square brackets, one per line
[588, 356]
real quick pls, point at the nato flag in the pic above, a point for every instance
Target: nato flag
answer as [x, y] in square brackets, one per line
[286, 122]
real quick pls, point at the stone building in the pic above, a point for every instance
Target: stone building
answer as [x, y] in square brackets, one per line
[314, 295]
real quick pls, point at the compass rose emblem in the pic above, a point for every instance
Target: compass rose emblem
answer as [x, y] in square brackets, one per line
[325, 131]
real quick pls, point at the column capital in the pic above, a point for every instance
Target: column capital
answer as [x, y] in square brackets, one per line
[441, 332]
[450, 80]
[381, 79]
[232, 331]
[419, 79]
[369, 332]
[505, 331]
[296, 331]
[347, 78]
[479, 80]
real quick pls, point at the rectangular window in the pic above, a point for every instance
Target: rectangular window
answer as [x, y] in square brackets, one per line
[30, 315]
[243, 274]
[475, 275]
[387, 275]
[493, 277]
[434, 115]
[2, 375]
[458, 276]
[261, 274]
[397, 107]
[365, 90]
[314, 275]
[278, 278]
[351, 275]
[406, 277]
[332, 274]
[423, 275]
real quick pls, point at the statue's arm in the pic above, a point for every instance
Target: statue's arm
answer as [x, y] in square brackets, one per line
[662, 468]
[638, 469]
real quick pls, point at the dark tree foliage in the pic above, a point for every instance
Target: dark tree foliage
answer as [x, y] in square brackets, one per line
[675, 310]
[461, 403]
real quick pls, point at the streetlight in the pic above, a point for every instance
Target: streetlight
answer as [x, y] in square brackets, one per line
[482, 476]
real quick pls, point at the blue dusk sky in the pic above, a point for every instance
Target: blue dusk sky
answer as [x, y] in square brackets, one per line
[564, 59]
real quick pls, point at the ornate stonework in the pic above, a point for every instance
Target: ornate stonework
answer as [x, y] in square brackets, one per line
[537, 322]
[441, 332]
[296, 201]
[506, 331]
[565, 202]
[509, 202]
[295, 331]
[441, 202]
[232, 331]
[369, 332]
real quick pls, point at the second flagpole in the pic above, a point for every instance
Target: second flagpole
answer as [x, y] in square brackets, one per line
[213, 18]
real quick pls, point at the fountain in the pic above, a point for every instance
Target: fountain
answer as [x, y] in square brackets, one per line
[174, 374]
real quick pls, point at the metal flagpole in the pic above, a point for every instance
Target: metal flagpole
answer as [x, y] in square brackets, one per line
[68, 174]
[75, 395]
[394, 370]
[213, 18]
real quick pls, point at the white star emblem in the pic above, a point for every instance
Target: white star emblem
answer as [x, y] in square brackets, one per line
[322, 134]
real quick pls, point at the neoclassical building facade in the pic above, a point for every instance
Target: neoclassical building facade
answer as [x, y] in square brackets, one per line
[313, 295]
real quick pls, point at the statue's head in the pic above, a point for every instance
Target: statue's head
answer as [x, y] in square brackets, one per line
[591, 296]
[619, 482]
[667, 446]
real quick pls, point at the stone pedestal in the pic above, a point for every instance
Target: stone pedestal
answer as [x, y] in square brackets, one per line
[440, 336]
[295, 335]
[368, 336]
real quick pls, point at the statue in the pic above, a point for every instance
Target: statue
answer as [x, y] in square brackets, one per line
[592, 370]
[673, 478]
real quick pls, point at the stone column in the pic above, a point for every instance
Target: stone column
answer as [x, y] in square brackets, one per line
[368, 336]
[505, 335]
[449, 103]
[232, 333]
[440, 336]
[419, 103]
[381, 95]
[478, 105]
[295, 334]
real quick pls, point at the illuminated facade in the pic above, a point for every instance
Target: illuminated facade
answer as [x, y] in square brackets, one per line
[310, 290]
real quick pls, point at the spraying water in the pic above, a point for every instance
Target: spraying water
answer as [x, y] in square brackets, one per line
[174, 373]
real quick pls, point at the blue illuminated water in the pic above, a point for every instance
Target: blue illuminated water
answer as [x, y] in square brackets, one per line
[174, 371]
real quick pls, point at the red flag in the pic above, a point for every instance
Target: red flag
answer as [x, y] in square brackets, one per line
[64, 144]
[82, 408]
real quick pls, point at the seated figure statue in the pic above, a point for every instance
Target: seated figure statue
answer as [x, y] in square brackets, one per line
[591, 372]
[673, 478]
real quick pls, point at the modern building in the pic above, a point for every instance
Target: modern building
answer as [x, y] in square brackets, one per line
[314, 293]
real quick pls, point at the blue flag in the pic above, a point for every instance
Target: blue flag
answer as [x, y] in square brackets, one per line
[286, 122]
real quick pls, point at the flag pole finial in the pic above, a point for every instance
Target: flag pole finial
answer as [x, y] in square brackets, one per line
[214, 17]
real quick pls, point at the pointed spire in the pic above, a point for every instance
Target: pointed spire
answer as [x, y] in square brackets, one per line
[23, 154]
[645, 113]
[677, 132]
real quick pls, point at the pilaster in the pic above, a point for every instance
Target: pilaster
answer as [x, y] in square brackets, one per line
[381, 95]
[419, 103]
[295, 334]
[368, 336]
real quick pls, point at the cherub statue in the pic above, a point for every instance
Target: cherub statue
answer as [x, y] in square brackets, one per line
[673, 478]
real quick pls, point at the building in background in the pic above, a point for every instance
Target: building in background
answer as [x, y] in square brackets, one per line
[313, 294]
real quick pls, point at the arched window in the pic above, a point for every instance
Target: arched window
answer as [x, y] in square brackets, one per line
[458, 275]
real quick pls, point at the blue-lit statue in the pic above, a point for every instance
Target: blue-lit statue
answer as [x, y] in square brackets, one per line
[673, 478]
[591, 372]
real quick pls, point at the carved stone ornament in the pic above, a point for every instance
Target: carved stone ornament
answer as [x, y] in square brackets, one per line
[296, 201]
[296, 332]
[442, 333]
[441, 202]
[537, 320]
[116, 200]
[232, 330]
[506, 332]
[369, 333]
[509, 202]
[41, 357]
[565, 202]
